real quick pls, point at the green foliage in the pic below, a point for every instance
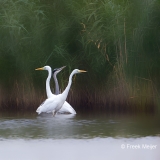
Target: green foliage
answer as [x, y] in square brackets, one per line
[115, 41]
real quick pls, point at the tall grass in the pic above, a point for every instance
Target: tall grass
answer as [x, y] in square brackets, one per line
[117, 42]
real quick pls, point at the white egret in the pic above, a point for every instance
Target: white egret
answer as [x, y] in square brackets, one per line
[54, 103]
[66, 106]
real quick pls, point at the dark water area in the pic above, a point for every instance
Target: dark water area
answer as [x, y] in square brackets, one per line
[85, 136]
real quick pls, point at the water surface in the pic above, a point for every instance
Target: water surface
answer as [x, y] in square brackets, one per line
[89, 135]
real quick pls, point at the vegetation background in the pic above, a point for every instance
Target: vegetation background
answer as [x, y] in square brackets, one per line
[116, 41]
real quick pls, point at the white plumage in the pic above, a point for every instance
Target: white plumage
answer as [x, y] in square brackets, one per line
[66, 108]
[55, 103]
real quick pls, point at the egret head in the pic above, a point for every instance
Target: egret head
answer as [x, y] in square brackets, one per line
[44, 68]
[78, 71]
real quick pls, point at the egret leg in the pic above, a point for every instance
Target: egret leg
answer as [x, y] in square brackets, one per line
[53, 113]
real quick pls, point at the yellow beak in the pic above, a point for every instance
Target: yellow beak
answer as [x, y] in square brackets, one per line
[82, 71]
[40, 68]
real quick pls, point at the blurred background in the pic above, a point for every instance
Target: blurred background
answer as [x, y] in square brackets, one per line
[117, 42]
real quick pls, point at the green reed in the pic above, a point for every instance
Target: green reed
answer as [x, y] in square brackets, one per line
[116, 41]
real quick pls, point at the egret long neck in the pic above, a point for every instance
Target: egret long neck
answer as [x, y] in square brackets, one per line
[65, 92]
[56, 84]
[48, 89]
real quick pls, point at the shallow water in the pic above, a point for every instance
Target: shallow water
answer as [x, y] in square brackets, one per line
[89, 136]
